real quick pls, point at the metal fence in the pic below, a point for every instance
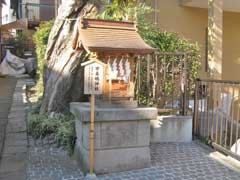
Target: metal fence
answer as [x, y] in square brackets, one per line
[25, 48]
[163, 81]
[216, 114]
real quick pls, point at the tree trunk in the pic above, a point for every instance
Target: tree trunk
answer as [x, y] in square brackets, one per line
[63, 76]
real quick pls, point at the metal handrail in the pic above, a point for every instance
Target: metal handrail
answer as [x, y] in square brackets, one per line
[218, 81]
[218, 121]
[37, 4]
[174, 53]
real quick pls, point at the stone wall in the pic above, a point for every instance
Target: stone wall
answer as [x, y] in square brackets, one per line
[122, 137]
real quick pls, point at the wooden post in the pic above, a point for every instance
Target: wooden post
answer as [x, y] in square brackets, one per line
[0, 33]
[94, 77]
[156, 83]
[148, 77]
[91, 153]
[195, 121]
[138, 79]
[110, 90]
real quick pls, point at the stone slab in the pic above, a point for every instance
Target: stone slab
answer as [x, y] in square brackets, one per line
[115, 134]
[112, 160]
[14, 157]
[18, 175]
[14, 149]
[171, 129]
[112, 114]
[122, 137]
[16, 126]
[13, 163]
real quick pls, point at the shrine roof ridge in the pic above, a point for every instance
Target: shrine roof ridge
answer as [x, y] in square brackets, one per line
[110, 36]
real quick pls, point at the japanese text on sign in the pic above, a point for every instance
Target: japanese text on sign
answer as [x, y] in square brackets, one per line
[93, 79]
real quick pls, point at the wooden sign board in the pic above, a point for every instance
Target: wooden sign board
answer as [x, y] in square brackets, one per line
[93, 77]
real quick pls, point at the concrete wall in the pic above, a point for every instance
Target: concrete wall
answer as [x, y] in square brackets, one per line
[171, 129]
[191, 23]
[188, 22]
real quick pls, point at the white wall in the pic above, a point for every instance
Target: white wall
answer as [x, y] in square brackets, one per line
[7, 13]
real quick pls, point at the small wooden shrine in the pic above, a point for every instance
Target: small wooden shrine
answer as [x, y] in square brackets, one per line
[109, 73]
[117, 44]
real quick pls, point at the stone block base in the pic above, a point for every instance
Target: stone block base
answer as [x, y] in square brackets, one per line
[171, 129]
[122, 137]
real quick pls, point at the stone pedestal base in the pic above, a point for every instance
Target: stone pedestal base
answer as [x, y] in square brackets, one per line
[171, 129]
[122, 137]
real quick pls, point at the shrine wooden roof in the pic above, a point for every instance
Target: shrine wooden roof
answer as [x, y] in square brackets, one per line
[110, 36]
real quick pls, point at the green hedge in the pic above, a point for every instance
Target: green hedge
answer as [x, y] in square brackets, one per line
[40, 39]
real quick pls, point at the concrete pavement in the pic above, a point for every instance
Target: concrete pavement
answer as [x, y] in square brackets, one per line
[14, 155]
[7, 86]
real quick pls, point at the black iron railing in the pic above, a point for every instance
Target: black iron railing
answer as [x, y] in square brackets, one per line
[163, 80]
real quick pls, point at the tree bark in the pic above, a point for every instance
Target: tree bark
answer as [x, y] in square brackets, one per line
[63, 75]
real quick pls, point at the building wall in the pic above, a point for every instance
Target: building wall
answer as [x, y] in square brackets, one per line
[191, 23]
[231, 46]
[47, 12]
[43, 10]
[7, 13]
[32, 12]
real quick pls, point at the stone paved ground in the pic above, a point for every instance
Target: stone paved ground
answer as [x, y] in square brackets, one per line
[14, 154]
[170, 161]
[7, 86]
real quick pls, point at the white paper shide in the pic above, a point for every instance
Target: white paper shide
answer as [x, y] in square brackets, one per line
[119, 71]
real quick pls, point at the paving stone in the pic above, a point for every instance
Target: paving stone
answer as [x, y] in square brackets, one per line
[170, 161]
[14, 149]
[13, 160]
[18, 175]
[12, 163]
[15, 137]
[16, 126]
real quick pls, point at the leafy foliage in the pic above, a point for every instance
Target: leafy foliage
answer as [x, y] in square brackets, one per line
[120, 10]
[20, 43]
[61, 129]
[162, 40]
[171, 42]
[41, 39]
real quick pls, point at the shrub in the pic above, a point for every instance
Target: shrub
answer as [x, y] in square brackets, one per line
[61, 129]
[40, 39]
[66, 135]
[20, 43]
